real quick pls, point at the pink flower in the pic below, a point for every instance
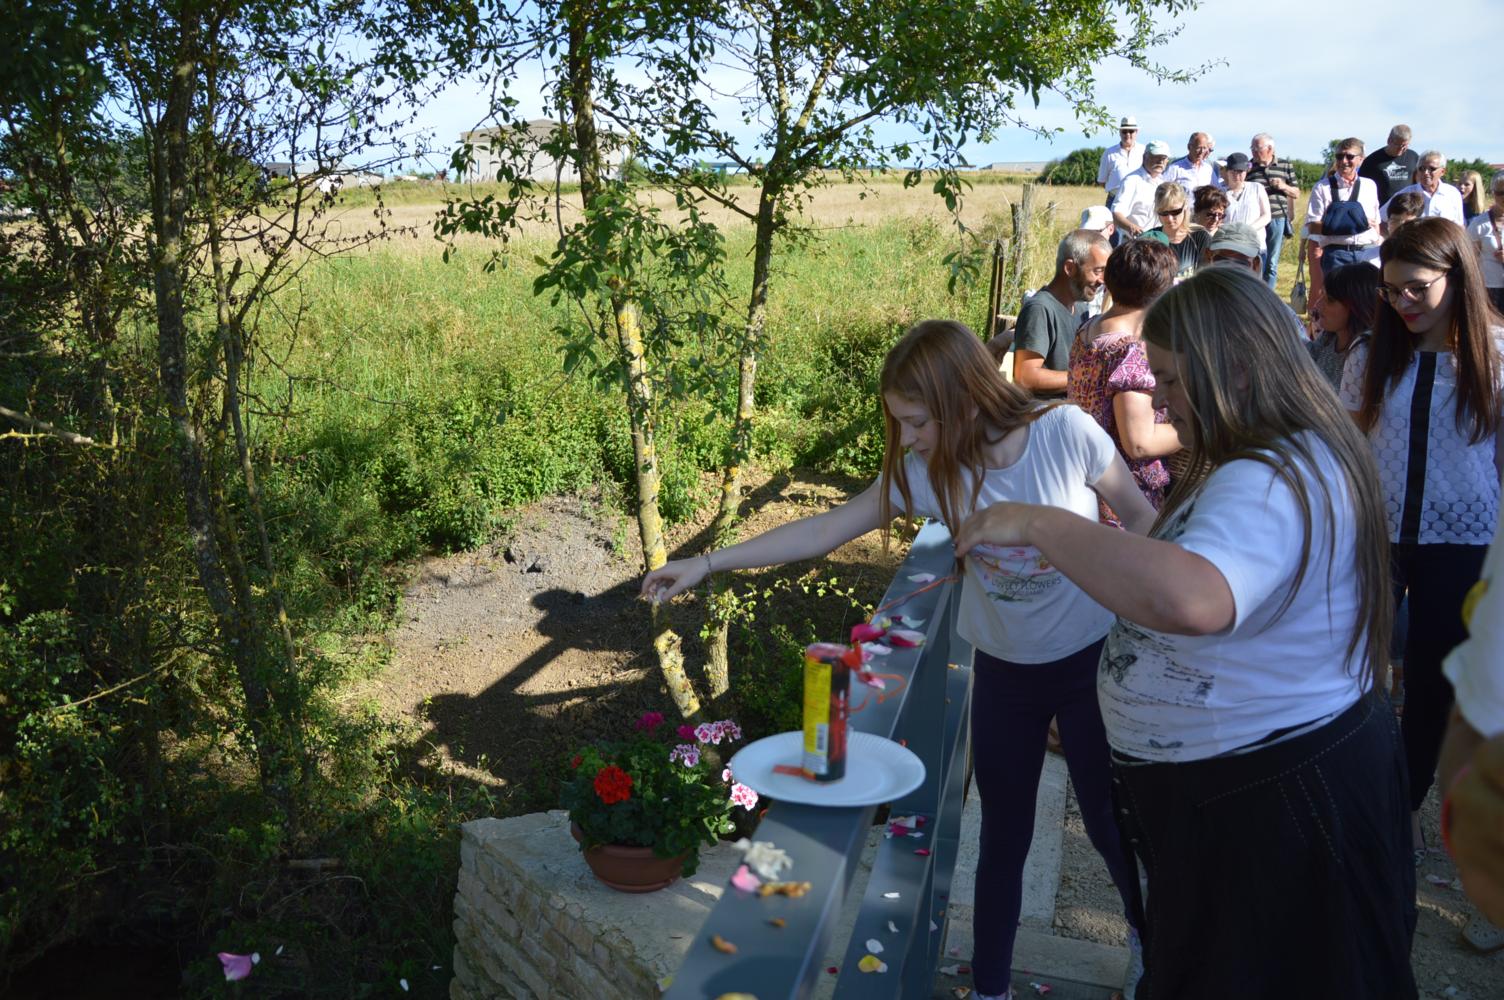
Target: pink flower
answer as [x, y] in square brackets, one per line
[685, 753]
[708, 732]
[649, 721]
[686, 732]
[731, 731]
[865, 632]
[726, 774]
[237, 966]
[743, 796]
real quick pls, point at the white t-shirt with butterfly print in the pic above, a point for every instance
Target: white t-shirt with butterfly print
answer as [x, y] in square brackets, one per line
[1188, 697]
[1014, 604]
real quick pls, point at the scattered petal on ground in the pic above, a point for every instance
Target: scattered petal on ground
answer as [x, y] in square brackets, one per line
[890, 895]
[665, 983]
[921, 577]
[832, 969]
[237, 967]
[721, 945]
[871, 963]
[778, 922]
[950, 970]
[876, 649]
[874, 946]
[403, 983]
[892, 927]
[764, 858]
[923, 852]
[744, 880]
[905, 637]
[1043, 989]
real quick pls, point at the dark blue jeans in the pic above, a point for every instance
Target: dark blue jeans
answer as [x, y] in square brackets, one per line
[1011, 708]
[1334, 256]
[1274, 237]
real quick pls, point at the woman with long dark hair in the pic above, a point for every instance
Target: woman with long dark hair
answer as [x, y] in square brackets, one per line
[1258, 778]
[1346, 312]
[1428, 388]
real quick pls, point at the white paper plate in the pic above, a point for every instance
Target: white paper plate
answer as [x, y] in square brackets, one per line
[878, 770]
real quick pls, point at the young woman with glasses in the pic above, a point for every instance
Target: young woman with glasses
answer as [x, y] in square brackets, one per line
[1428, 388]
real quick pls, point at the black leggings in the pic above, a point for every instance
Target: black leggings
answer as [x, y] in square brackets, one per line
[1439, 577]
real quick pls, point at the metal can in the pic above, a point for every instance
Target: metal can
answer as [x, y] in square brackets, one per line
[827, 692]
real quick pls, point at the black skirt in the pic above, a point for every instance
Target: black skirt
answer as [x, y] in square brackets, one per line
[1284, 871]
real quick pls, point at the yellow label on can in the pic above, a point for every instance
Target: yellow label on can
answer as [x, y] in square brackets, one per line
[816, 715]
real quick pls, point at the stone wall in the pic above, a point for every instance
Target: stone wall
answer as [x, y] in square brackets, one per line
[532, 921]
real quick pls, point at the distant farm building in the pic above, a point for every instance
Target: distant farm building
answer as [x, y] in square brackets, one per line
[493, 147]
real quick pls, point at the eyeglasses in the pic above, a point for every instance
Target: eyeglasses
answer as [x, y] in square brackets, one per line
[1348, 157]
[1409, 293]
[1214, 216]
[1429, 168]
[1172, 213]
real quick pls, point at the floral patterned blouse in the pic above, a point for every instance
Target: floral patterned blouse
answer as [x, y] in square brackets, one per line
[1110, 364]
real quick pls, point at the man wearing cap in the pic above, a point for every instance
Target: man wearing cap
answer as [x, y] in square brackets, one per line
[1133, 210]
[1121, 160]
[1236, 244]
[1278, 179]
[1196, 167]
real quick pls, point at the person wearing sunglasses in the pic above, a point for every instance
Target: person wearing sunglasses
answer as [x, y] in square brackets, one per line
[1174, 229]
[1209, 210]
[1428, 388]
[1487, 233]
[1343, 215]
[1442, 199]
[1121, 160]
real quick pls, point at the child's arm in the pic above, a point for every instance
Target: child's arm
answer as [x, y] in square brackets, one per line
[803, 539]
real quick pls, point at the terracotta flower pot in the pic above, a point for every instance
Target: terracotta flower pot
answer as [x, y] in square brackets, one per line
[630, 869]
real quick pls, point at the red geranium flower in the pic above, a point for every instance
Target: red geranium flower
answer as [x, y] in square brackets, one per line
[613, 785]
[575, 760]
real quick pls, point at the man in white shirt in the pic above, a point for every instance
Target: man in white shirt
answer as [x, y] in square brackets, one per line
[1133, 211]
[1440, 197]
[1121, 160]
[1196, 167]
[1353, 234]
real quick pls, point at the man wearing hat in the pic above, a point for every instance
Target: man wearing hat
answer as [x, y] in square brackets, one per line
[1236, 244]
[1121, 160]
[1133, 209]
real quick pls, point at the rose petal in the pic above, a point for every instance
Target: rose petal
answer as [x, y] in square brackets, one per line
[745, 880]
[872, 680]
[236, 966]
[921, 577]
[890, 895]
[871, 963]
[923, 852]
[905, 637]
[865, 632]
[832, 969]
[874, 946]
[403, 983]
[892, 927]
[875, 649]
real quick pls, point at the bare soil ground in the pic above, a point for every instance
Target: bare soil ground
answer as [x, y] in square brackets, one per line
[509, 656]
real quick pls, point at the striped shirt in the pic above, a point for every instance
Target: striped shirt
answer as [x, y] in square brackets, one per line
[1279, 204]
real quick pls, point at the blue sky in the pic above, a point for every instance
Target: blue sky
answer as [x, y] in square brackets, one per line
[1304, 72]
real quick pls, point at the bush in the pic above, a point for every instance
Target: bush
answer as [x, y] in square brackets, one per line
[1078, 168]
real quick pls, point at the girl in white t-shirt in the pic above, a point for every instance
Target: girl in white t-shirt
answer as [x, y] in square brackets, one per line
[960, 437]
[1259, 779]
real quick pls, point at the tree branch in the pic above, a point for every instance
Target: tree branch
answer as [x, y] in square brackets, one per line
[44, 429]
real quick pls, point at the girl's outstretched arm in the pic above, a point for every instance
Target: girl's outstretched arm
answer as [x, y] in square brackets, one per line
[1152, 583]
[803, 539]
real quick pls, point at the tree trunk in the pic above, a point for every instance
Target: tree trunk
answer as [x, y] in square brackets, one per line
[717, 662]
[580, 66]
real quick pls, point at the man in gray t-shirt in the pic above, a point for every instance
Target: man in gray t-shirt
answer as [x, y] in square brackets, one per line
[1047, 323]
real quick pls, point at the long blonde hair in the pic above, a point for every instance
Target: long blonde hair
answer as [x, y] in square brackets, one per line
[1254, 393]
[941, 365]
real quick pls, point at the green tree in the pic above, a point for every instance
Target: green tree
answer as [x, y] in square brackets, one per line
[1078, 167]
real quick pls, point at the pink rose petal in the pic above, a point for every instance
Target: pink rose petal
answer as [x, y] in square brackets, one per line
[865, 632]
[745, 880]
[905, 637]
[237, 966]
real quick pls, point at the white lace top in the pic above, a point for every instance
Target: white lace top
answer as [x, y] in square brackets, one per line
[1443, 490]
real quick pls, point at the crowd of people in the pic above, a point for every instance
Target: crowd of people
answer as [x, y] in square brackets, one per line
[1187, 526]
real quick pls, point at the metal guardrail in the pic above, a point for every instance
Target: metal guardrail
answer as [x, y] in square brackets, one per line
[931, 714]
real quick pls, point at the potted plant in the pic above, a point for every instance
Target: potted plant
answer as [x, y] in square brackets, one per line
[642, 807]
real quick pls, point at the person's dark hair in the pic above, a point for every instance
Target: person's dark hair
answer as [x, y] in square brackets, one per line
[1410, 205]
[1442, 245]
[941, 365]
[1255, 395]
[1208, 197]
[1356, 286]
[1139, 271]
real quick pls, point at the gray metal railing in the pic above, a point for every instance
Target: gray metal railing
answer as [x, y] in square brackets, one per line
[931, 714]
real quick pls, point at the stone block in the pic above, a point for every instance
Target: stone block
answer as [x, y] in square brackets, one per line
[581, 936]
[500, 918]
[556, 944]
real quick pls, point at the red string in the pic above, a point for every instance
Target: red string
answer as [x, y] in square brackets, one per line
[915, 593]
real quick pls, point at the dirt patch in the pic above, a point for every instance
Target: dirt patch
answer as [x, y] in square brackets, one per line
[507, 657]
[1087, 906]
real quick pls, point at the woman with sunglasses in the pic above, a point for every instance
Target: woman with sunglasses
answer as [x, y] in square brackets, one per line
[1209, 210]
[1487, 232]
[1174, 229]
[1428, 388]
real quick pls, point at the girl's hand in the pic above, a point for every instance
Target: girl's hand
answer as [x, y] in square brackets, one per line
[1000, 524]
[673, 578]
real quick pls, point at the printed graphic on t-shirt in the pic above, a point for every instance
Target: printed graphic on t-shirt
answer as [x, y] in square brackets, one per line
[1014, 574]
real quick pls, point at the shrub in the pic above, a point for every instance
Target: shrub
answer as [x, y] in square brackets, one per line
[1078, 167]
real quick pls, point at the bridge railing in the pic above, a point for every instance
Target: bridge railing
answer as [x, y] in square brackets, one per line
[904, 906]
